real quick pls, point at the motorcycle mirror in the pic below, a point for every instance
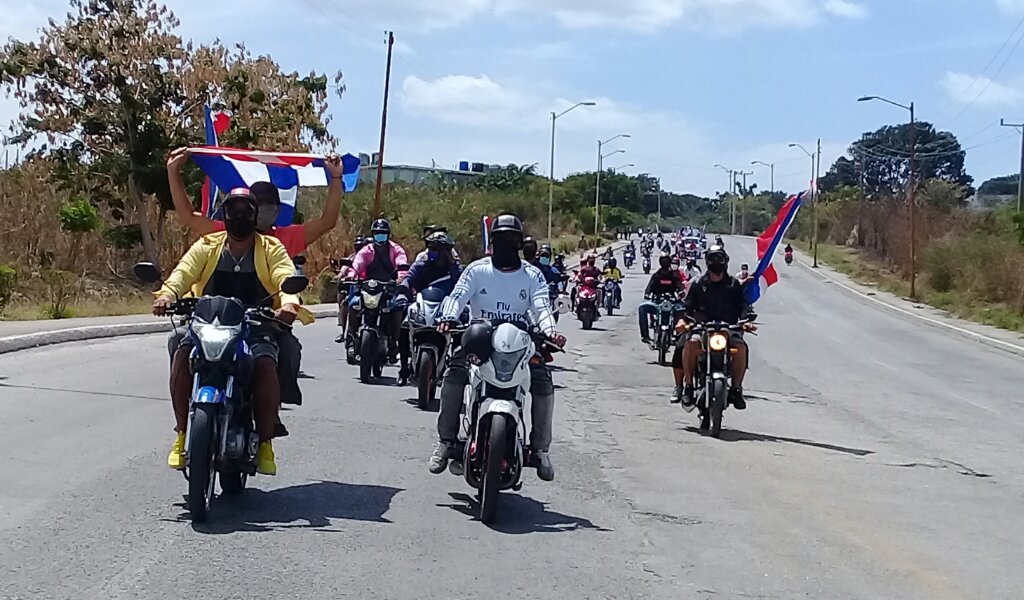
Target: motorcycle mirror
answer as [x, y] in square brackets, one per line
[299, 261]
[294, 284]
[147, 272]
[561, 306]
[345, 262]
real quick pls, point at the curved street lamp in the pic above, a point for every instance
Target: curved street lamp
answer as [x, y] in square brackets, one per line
[551, 173]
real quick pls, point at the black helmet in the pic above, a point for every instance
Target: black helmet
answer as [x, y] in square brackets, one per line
[240, 194]
[665, 260]
[381, 226]
[545, 249]
[716, 254]
[507, 222]
[476, 341]
[440, 240]
[611, 262]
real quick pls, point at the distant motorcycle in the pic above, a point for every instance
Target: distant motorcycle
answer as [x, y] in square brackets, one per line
[647, 265]
[586, 303]
[628, 258]
[664, 322]
[789, 258]
[611, 287]
[429, 346]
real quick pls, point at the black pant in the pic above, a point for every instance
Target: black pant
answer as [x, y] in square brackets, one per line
[457, 378]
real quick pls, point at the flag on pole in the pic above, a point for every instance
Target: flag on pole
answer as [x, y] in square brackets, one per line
[765, 276]
[215, 123]
[485, 233]
[229, 168]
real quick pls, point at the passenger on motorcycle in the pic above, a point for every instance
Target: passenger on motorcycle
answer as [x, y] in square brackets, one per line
[380, 261]
[693, 270]
[744, 274]
[716, 296]
[552, 276]
[500, 288]
[665, 280]
[439, 269]
[429, 229]
[587, 269]
[236, 263]
[347, 296]
[615, 274]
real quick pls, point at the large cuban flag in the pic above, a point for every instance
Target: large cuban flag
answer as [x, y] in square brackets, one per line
[230, 168]
[764, 276]
[485, 233]
[215, 124]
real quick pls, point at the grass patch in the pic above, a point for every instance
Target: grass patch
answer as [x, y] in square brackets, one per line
[83, 308]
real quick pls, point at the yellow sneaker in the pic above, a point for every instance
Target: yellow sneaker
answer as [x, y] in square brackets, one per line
[176, 459]
[265, 464]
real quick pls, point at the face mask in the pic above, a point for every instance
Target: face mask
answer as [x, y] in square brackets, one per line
[266, 217]
[505, 254]
[240, 229]
[433, 256]
[380, 238]
[717, 268]
[544, 260]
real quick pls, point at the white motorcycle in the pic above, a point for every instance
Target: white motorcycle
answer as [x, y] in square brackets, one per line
[493, 428]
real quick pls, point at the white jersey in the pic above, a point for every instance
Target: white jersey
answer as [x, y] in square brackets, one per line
[519, 296]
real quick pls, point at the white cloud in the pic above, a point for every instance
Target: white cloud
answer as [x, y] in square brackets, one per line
[963, 88]
[846, 9]
[467, 100]
[1011, 6]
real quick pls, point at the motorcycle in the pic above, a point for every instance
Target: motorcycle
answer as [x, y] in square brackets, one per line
[221, 439]
[713, 377]
[586, 303]
[647, 265]
[664, 322]
[789, 258]
[430, 348]
[610, 303]
[558, 298]
[628, 258]
[493, 427]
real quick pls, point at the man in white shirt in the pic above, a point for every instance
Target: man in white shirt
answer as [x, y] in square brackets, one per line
[501, 288]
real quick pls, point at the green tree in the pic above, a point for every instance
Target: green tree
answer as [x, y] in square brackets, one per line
[1000, 186]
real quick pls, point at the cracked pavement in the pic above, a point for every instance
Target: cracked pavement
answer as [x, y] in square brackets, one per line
[878, 458]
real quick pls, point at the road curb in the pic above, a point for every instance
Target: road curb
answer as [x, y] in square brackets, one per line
[28, 341]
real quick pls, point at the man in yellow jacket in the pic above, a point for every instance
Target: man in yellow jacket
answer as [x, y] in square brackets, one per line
[237, 263]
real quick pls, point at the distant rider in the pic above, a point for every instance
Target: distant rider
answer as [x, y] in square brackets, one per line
[664, 281]
[380, 261]
[613, 273]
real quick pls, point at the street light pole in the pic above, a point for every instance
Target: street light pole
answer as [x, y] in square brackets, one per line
[1020, 178]
[743, 202]
[600, 167]
[770, 166]
[911, 192]
[814, 204]
[551, 173]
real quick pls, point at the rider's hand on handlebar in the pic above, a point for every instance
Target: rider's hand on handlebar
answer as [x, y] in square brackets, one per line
[749, 327]
[558, 339]
[287, 313]
[444, 326]
[161, 305]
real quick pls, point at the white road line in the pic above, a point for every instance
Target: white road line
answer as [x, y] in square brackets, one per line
[1013, 347]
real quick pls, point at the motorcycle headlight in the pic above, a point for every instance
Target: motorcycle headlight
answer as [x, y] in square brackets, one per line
[214, 338]
[505, 364]
[718, 342]
[371, 301]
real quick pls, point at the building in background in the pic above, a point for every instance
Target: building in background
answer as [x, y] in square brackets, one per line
[416, 175]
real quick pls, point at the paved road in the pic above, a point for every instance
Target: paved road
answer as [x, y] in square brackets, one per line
[879, 458]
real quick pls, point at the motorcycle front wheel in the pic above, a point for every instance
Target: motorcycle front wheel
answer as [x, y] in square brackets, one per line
[662, 349]
[201, 474]
[427, 380]
[490, 484]
[717, 396]
[587, 318]
[367, 356]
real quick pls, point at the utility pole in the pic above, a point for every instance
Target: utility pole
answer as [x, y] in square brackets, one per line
[383, 128]
[732, 211]
[597, 192]
[814, 213]
[743, 203]
[1020, 178]
[659, 204]
[912, 193]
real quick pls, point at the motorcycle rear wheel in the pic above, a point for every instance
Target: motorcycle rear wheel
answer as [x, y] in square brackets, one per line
[201, 474]
[490, 484]
[367, 356]
[426, 376]
[587, 318]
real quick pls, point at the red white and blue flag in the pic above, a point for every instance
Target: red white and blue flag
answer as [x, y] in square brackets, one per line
[485, 233]
[215, 123]
[765, 276]
[230, 168]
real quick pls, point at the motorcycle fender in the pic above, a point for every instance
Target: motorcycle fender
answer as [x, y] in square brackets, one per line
[721, 376]
[499, 406]
[209, 395]
[433, 350]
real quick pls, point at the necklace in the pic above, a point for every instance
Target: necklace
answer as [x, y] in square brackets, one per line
[238, 261]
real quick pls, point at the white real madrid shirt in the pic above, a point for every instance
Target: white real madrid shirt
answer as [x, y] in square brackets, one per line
[519, 296]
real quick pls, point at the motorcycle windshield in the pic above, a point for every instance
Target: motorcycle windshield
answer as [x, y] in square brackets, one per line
[226, 311]
[433, 295]
[505, 364]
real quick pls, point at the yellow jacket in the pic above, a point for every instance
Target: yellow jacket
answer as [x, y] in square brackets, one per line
[615, 274]
[197, 266]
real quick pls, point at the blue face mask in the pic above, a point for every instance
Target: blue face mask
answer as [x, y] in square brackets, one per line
[380, 238]
[433, 255]
[544, 260]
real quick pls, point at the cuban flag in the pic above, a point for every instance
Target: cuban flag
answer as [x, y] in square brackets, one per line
[765, 276]
[215, 123]
[485, 233]
[230, 168]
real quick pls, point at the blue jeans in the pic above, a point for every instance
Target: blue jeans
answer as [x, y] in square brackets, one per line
[646, 310]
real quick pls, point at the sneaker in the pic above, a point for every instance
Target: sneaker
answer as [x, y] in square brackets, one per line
[646, 340]
[443, 452]
[677, 396]
[736, 398]
[688, 401]
[280, 430]
[340, 339]
[541, 460]
[176, 459]
[265, 464]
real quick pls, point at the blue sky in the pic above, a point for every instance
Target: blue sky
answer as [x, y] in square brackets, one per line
[695, 82]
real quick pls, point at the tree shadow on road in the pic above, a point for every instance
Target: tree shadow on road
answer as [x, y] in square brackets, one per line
[736, 435]
[312, 505]
[518, 515]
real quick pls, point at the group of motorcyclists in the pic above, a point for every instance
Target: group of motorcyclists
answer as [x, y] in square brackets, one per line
[248, 258]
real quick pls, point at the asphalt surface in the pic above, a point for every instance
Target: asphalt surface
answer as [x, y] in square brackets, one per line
[878, 458]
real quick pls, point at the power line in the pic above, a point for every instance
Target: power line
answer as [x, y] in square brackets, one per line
[989, 64]
[991, 80]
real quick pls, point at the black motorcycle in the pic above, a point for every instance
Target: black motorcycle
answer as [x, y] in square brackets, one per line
[431, 349]
[221, 438]
[669, 307]
[714, 373]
